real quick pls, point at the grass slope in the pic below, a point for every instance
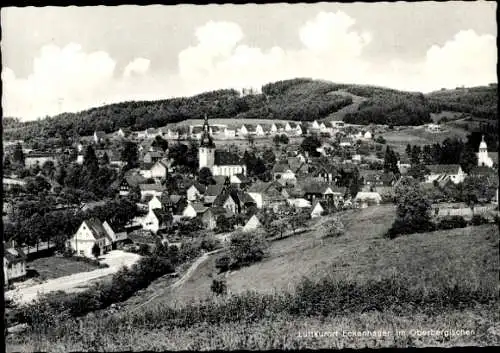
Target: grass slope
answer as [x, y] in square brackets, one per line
[464, 258]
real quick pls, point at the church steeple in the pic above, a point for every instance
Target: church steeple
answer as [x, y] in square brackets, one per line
[206, 139]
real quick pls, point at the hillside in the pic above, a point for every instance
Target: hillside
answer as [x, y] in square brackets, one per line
[296, 99]
[481, 102]
[359, 281]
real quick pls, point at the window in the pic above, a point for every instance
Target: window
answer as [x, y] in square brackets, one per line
[81, 253]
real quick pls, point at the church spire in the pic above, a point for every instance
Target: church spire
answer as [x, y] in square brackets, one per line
[206, 139]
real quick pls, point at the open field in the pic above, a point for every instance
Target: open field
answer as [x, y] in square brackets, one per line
[351, 108]
[420, 136]
[55, 267]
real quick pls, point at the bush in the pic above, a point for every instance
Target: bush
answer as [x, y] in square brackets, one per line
[334, 229]
[210, 244]
[451, 222]
[478, 220]
[223, 263]
[50, 309]
[247, 248]
[219, 286]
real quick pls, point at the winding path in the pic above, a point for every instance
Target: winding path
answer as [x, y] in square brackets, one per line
[183, 279]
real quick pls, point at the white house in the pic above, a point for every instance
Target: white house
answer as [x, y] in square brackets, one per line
[229, 133]
[364, 199]
[252, 224]
[440, 172]
[273, 129]
[151, 189]
[367, 135]
[299, 203]
[317, 210]
[154, 203]
[99, 136]
[195, 191]
[90, 233]
[189, 211]
[243, 130]
[259, 130]
[14, 263]
[159, 170]
[315, 125]
[156, 220]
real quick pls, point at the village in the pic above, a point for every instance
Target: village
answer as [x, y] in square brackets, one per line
[335, 167]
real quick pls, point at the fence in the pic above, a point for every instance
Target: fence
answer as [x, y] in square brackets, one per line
[464, 211]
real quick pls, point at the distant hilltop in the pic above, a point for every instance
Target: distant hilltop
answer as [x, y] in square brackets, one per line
[299, 99]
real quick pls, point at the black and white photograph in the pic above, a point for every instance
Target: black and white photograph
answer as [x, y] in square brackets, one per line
[270, 176]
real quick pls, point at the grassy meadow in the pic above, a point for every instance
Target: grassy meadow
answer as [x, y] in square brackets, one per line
[359, 281]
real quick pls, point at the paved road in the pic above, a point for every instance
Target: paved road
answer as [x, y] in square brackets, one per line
[116, 259]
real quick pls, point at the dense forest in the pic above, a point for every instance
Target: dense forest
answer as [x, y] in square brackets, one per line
[481, 102]
[296, 99]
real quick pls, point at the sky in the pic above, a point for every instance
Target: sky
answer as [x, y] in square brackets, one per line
[68, 59]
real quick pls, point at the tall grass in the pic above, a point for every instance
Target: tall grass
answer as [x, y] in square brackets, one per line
[322, 298]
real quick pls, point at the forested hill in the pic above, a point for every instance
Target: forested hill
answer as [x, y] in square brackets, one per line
[481, 102]
[296, 99]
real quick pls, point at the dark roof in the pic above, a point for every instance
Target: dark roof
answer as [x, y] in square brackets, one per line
[99, 133]
[443, 168]
[96, 228]
[250, 128]
[281, 168]
[486, 171]
[134, 179]
[227, 158]
[214, 190]
[14, 254]
[163, 217]
[200, 187]
[221, 199]
[92, 205]
[199, 207]
[220, 179]
[152, 187]
[259, 187]
[314, 187]
[243, 178]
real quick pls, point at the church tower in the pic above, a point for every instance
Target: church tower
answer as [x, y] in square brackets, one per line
[206, 154]
[482, 157]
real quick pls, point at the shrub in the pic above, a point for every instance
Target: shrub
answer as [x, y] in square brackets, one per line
[247, 248]
[451, 222]
[334, 229]
[210, 244]
[219, 286]
[144, 250]
[478, 220]
[223, 263]
[50, 309]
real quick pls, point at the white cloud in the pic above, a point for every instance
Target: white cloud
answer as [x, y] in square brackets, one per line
[137, 66]
[331, 50]
[468, 59]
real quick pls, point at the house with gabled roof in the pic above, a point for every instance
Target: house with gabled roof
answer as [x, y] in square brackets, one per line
[14, 263]
[259, 130]
[99, 136]
[151, 189]
[91, 233]
[317, 209]
[156, 220]
[252, 224]
[160, 169]
[284, 172]
[267, 195]
[240, 180]
[226, 201]
[441, 172]
[364, 199]
[195, 191]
